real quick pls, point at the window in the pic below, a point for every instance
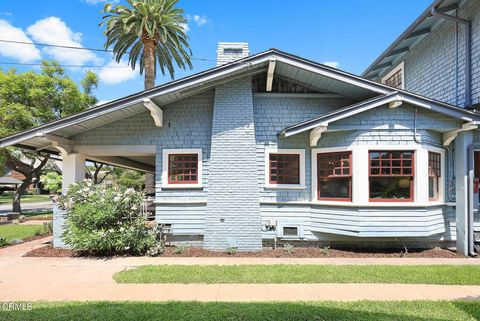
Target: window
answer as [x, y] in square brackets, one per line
[391, 176]
[334, 174]
[284, 169]
[290, 231]
[396, 77]
[434, 174]
[182, 168]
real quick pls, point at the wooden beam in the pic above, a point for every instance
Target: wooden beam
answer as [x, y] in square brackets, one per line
[155, 111]
[123, 162]
[271, 70]
[418, 33]
[64, 145]
[395, 104]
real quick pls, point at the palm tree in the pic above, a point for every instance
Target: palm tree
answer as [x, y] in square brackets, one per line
[150, 32]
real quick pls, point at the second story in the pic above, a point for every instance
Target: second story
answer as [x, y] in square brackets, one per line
[437, 56]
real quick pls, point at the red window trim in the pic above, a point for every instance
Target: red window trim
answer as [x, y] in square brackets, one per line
[431, 172]
[340, 199]
[270, 169]
[412, 176]
[170, 182]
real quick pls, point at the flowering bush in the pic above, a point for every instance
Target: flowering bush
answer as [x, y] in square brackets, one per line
[106, 220]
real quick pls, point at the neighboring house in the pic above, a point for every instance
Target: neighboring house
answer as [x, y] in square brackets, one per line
[438, 56]
[273, 140]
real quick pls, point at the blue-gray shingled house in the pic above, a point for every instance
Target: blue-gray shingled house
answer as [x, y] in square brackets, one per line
[274, 145]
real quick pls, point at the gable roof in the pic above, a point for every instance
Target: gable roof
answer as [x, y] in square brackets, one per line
[289, 66]
[411, 37]
[395, 96]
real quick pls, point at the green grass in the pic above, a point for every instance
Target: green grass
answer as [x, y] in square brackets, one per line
[7, 199]
[11, 232]
[409, 274]
[324, 311]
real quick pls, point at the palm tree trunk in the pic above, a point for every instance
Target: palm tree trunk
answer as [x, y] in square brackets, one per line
[149, 56]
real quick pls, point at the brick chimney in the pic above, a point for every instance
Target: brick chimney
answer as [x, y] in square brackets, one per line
[231, 51]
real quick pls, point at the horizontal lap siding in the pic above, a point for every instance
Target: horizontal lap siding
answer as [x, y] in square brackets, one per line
[326, 222]
[186, 219]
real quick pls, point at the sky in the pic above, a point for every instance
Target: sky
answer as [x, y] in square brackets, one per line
[346, 34]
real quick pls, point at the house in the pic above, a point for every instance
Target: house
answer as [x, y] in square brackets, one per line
[273, 144]
[438, 56]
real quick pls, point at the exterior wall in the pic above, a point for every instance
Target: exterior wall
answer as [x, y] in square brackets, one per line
[431, 68]
[233, 211]
[58, 227]
[187, 124]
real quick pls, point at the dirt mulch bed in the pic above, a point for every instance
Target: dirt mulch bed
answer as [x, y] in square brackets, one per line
[309, 252]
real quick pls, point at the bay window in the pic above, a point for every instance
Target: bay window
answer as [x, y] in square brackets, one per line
[434, 174]
[391, 176]
[334, 176]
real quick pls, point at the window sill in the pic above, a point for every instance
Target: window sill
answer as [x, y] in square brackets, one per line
[182, 186]
[285, 186]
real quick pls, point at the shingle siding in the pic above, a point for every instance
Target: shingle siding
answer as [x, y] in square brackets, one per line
[431, 68]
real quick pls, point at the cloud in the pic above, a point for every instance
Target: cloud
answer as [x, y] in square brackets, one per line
[22, 53]
[100, 1]
[53, 30]
[113, 73]
[333, 64]
[185, 27]
[200, 20]
[6, 13]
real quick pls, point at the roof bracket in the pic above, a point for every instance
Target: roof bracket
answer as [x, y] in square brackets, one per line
[271, 70]
[64, 145]
[155, 111]
[395, 103]
[448, 137]
[315, 135]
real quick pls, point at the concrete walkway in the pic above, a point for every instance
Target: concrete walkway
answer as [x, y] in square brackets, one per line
[28, 207]
[59, 279]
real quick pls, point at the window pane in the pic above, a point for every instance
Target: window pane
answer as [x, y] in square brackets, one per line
[290, 231]
[284, 168]
[395, 188]
[433, 188]
[338, 187]
[182, 168]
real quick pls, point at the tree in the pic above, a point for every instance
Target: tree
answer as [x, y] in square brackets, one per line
[52, 181]
[151, 32]
[31, 99]
[129, 178]
[99, 172]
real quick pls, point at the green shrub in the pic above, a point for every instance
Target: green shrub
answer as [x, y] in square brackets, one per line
[179, 249]
[231, 250]
[325, 250]
[3, 241]
[107, 220]
[289, 248]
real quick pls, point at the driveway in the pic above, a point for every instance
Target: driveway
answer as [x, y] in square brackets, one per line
[59, 279]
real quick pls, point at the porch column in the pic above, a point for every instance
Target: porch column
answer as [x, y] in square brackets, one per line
[73, 169]
[461, 183]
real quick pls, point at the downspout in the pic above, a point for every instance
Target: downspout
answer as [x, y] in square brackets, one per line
[468, 52]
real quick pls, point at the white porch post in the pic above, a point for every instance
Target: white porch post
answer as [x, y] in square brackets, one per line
[73, 168]
[462, 141]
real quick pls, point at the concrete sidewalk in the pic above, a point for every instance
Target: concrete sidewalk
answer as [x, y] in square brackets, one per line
[68, 279]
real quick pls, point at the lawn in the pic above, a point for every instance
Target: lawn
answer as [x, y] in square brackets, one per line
[7, 199]
[408, 274]
[325, 311]
[20, 232]
[43, 216]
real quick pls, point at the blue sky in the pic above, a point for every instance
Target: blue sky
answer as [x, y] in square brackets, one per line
[348, 33]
